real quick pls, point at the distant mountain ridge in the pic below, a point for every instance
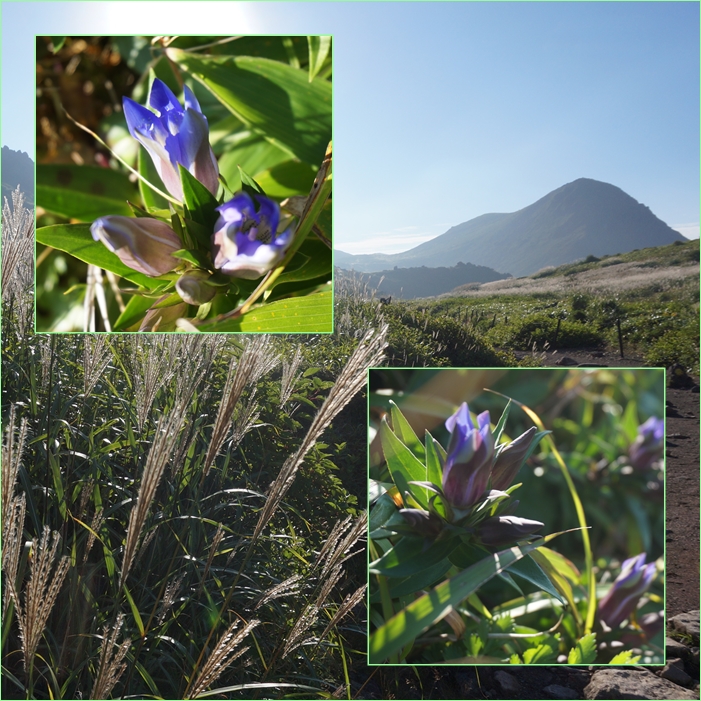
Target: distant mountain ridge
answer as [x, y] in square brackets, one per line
[410, 283]
[17, 169]
[582, 218]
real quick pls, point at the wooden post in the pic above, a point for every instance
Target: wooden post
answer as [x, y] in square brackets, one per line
[620, 337]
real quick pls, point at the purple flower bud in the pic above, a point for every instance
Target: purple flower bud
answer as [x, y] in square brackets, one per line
[504, 530]
[623, 596]
[193, 288]
[649, 444]
[245, 242]
[469, 458]
[423, 522]
[174, 135]
[143, 244]
[510, 459]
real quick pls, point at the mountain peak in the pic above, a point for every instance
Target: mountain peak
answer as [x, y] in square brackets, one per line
[581, 218]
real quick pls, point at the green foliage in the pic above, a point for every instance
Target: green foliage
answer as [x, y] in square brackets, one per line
[91, 425]
[251, 136]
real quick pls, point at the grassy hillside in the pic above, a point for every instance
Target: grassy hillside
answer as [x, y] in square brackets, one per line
[653, 293]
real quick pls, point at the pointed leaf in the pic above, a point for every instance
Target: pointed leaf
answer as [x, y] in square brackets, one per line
[274, 99]
[404, 431]
[584, 652]
[319, 47]
[432, 607]
[83, 192]
[528, 569]
[311, 314]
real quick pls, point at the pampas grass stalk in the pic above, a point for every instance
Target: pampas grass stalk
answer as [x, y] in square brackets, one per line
[111, 666]
[368, 353]
[222, 656]
[161, 450]
[40, 594]
[255, 361]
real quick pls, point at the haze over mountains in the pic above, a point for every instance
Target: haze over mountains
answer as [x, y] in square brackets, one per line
[585, 217]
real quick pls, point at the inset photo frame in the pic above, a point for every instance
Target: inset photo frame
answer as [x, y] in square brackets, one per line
[183, 183]
[516, 516]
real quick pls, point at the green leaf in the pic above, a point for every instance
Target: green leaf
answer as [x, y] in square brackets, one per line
[134, 312]
[403, 465]
[135, 611]
[313, 260]
[249, 185]
[410, 556]
[420, 580]
[200, 203]
[499, 428]
[528, 569]
[432, 607]
[311, 314]
[434, 471]
[193, 256]
[287, 179]
[77, 240]
[383, 509]
[542, 558]
[625, 657]
[404, 431]
[83, 192]
[539, 655]
[584, 652]
[274, 99]
[57, 43]
[319, 47]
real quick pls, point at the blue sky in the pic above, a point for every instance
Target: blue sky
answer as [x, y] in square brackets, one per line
[445, 111]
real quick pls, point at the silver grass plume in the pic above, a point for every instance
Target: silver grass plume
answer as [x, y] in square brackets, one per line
[39, 594]
[304, 622]
[353, 376]
[340, 527]
[96, 356]
[13, 507]
[12, 448]
[339, 549]
[287, 587]
[151, 369]
[348, 603]
[171, 592]
[290, 375]
[162, 448]
[17, 248]
[255, 361]
[95, 525]
[222, 656]
[111, 666]
[245, 417]
[12, 541]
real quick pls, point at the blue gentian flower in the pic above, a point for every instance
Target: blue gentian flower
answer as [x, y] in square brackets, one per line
[469, 458]
[625, 592]
[246, 242]
[174, 134]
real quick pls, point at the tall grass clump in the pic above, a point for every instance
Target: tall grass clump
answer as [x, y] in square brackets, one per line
[174, 526]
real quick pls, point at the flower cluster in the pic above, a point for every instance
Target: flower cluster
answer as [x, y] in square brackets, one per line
[475, 470]
[625, 592]
[245, 242]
